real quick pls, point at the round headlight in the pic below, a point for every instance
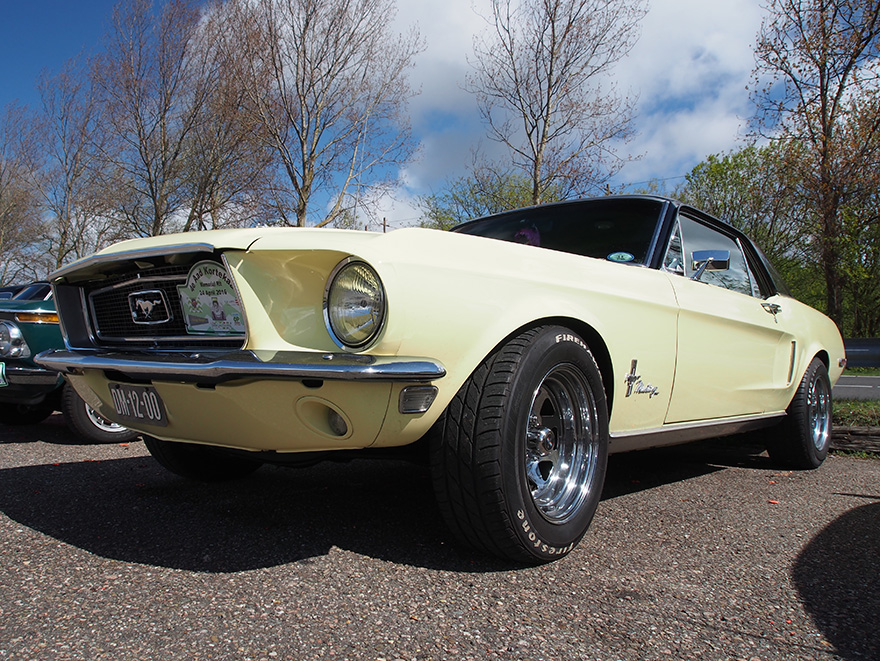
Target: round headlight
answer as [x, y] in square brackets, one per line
[12, 344]
[354, 304]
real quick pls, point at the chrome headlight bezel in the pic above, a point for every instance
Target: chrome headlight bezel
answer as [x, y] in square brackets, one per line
[12, 342]
[352, 336]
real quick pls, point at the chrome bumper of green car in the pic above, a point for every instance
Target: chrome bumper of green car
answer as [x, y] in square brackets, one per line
[26, 376]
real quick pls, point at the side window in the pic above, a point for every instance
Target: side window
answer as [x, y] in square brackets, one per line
[696, 236]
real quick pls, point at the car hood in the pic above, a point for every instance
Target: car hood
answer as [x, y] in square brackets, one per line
[260, 238]
[27, 306]
[402, 245]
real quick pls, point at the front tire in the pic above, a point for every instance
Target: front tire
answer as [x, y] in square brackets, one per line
[90, 425]
[200, 462]
[518, 458]
[804, 437]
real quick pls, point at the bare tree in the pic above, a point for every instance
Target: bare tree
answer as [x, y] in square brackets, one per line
[541, 82]
[72, 187]
[327, 81]
[816, 80]
[19, 211]
[227, 168]
[153, 105]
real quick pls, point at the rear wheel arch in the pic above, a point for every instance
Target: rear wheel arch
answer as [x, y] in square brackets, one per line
[803, 437]
[821, 354]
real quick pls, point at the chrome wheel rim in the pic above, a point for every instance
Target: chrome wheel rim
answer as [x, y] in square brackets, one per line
[819, 412]
[562, 444]
[103, 423]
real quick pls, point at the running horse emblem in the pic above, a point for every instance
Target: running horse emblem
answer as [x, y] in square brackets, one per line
[148, 307]
[145, 307]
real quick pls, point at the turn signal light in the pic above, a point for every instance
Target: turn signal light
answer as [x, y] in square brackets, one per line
[37, 317]
[416, 399]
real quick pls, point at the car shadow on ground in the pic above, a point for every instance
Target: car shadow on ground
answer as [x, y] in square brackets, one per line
[632, 472]
[837, 576]
[53, 430]
[134, 511]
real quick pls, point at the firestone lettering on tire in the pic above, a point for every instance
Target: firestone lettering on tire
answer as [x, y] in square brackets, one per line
[565, 337]
[536, 541]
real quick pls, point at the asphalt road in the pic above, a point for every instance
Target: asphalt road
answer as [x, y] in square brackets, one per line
[857, 387]
[704, 553]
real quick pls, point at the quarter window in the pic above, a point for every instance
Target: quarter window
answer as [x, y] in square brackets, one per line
[674, 259]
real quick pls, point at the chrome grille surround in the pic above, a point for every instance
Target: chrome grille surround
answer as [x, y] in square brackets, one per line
[112, 324]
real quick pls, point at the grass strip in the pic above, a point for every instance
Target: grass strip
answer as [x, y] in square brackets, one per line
[856, 413]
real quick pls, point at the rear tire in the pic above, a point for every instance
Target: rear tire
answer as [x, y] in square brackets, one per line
[518, 458]
[90, 425]
[803, 438]
[203, 463]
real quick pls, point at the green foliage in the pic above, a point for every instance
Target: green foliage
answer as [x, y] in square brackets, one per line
[480, 194]
[753, 189]
[804, 279]
[859, 249]
[862, 371]
[757, 190]
[856, 413]
[761, 191]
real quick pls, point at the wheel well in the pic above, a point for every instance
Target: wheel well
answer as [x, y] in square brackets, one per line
[594, 341]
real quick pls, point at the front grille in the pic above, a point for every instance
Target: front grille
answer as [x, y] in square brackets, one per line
[112, 322]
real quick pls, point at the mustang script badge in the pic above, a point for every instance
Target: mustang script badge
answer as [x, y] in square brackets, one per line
[149, 307]
[635, 384]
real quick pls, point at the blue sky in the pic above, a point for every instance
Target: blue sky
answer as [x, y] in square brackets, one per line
[44, 34]
[689, 71]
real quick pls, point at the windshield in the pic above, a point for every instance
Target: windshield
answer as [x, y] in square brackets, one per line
[616, 229]
[38, 291]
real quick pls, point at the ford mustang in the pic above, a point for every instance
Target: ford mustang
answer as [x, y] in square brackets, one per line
[519, 349]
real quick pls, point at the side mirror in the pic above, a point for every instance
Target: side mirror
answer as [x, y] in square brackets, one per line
[709, 260]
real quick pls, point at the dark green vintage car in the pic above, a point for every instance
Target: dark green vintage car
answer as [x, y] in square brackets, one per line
[29, 393]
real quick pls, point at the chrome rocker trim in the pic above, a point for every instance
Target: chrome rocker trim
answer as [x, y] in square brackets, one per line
[216, 367]
[688, 432]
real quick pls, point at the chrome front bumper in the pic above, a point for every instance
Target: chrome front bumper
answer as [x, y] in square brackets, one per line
[29, 376]
[216, 367]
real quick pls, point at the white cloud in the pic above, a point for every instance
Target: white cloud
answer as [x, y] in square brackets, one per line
[671, 144]
[444, 115]
[686, 44]
[689, 71]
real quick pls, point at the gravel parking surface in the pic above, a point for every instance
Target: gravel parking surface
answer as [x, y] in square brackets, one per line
[705, 552]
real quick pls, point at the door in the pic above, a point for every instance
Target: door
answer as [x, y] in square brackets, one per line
[734, 353]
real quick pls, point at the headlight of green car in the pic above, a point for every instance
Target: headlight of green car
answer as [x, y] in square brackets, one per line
[12, 343]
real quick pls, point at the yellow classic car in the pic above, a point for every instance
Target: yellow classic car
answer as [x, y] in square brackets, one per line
[519, 350]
